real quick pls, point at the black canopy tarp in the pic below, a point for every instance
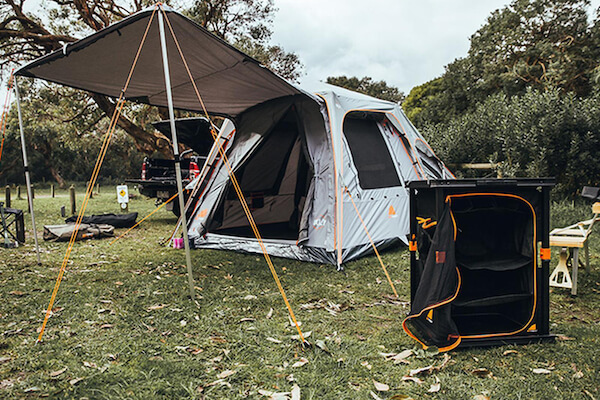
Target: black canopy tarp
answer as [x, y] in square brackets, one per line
[229, 81]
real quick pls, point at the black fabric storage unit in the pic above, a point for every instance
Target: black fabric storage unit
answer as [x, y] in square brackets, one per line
[477, 277]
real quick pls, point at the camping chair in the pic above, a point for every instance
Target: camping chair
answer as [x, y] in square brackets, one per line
[12, 226]
[570, 239]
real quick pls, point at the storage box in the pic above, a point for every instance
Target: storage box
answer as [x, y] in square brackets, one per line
[477, 277]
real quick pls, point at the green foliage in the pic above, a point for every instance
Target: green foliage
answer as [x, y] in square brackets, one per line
[541, 44]
[420, 96]
[64, 139]
[246, 24]
[366, 85]
[537, 134]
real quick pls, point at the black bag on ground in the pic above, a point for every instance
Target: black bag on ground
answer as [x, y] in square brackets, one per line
[116, 220]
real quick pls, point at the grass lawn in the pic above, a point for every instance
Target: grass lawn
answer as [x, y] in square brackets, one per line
[123, 326]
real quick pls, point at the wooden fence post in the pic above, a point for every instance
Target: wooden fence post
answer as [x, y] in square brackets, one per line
[72, 197]
[7, 196]
[52, 190]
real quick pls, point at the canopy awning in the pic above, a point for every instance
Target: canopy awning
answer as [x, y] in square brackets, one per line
[229, 81]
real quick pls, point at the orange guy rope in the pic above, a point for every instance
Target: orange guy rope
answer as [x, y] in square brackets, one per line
[143, 219]
[372, 244]
[111, 128]
[237, 188]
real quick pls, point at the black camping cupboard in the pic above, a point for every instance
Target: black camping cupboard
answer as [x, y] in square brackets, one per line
[479, 262]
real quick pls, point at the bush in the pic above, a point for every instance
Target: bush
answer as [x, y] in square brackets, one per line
[538, 134]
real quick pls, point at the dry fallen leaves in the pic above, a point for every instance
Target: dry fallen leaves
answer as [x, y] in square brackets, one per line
[482, 372]
[564, 337]
[54, 374]
[381, 387]
[541, 371]
[225, 374]
[295, 392]
[435, 387]
[374, 396]
[412, 379]
[366, 365]
[301, 362]
[421, 371]
[305, 334]
[270, 314]
[75, 381]
[157, 307]
[509, 352]
[481, 397]
[399, 357]
[321, 345]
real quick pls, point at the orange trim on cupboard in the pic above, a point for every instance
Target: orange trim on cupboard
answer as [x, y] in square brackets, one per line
[534, 261]
[460, 337]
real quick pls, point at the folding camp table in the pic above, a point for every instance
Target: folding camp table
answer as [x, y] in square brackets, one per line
[570, 239]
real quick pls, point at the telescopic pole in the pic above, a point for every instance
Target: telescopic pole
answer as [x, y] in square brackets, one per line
[163, 44]
[26, 167]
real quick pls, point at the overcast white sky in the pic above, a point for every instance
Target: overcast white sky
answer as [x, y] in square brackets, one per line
[404, 42]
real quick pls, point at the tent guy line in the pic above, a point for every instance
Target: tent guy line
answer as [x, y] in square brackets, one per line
[92, 182]
[236, 185]
[112, 127]
[143, 219]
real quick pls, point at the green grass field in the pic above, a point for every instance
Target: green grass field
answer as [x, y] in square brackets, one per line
[124, 328]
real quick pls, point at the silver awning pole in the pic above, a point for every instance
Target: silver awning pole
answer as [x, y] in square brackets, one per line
[26, 167]
[163, 45]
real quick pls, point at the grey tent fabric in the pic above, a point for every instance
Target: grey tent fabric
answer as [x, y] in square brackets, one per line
[229, 80]
[296, 158]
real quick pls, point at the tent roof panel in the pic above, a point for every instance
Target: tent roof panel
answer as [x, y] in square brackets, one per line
[229, 81]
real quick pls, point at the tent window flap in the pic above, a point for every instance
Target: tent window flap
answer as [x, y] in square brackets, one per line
[370, 153]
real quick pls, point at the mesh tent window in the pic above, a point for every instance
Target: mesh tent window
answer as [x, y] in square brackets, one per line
[369, 151]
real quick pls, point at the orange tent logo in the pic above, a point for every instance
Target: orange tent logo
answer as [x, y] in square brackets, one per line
[392, 212]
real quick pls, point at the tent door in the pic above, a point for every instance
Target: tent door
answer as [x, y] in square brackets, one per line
[274, 180]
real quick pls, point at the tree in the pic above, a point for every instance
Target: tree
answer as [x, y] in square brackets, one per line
[24, 36]
[536, 43]
[540, 44]
[366, 85]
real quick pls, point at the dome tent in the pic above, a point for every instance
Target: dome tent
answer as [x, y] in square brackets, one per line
[313, 168]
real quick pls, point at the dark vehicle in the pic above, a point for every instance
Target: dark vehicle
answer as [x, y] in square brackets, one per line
[158, 175]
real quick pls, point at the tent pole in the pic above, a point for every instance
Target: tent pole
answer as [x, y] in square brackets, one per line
[26, 167]
[186, 242]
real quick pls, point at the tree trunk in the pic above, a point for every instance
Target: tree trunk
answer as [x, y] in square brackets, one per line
[145, 141]
[59, 179]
